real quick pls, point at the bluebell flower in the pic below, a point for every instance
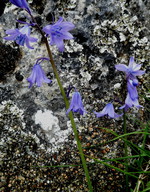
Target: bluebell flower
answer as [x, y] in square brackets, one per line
[129, 103]
[131, 71]
[132, 90]
[37, 76]
[109, 111]
[58, 32]
[76, 104]
[132, 96]
[22, 4]
[21, 36]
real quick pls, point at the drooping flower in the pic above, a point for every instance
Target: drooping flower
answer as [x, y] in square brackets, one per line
[21, 36]
[132, 97]
[22, 4]
[131, 71]
[38, 75]
[76, 104]
[109, 111]
[132, 90]
[129, 103]
[58, 32]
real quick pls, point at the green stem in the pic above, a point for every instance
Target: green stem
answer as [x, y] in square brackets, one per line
[126, 151]
[56, 73]
[71, 118]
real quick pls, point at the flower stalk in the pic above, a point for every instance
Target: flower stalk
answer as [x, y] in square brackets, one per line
[71, 118]
[125, 151]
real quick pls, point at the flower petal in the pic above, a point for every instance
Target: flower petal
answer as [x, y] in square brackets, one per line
[12, 31]
[131, 62]
[28, 44]
[110, 110]
[67, 36]
[138, 73]
[47, 29]
[100, 114]
[60, 20]
[32, 39]
[67, 26]
[132, 90]
[60, 44]
[121, 67]
[10, 38]
[117, 115]
[70, 108]
[128, 101]
[137, 67]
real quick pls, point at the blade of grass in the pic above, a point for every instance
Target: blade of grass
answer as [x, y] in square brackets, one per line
[148, 189]
[144, 142]
[113, 167]
[122, 158]
[131, 144]
[127, 134]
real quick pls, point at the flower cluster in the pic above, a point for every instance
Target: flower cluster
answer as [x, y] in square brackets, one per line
[132, 97]
[131, 71]
[58, 32]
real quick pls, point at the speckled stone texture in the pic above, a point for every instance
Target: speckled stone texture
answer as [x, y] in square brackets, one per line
[35, 132]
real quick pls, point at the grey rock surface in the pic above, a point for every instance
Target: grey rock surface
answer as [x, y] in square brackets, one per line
[34, 129]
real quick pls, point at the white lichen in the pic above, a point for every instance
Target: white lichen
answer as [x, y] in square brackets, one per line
[50, 126]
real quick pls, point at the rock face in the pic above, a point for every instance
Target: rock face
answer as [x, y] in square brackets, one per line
[35, 131]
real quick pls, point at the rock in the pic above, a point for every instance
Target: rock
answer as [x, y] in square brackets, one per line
[35, 130]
